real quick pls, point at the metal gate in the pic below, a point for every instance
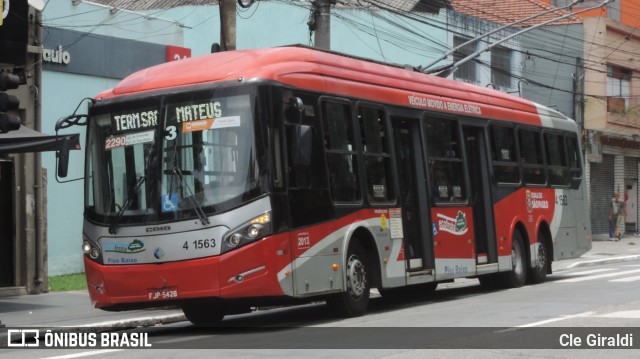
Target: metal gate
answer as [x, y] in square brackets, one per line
[7, 220]
[631, 193]
[601, 193]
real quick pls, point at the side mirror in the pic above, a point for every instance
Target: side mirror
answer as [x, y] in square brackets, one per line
[302, 145]
[63, 158]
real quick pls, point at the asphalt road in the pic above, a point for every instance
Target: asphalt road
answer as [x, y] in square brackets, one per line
[538, 321]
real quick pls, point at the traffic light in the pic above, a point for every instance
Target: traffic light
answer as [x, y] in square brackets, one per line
[8, 103]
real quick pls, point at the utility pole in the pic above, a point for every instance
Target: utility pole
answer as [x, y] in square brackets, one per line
[320, 23]
[227, 25]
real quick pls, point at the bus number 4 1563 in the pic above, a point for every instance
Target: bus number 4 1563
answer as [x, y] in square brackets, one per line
[200, 244]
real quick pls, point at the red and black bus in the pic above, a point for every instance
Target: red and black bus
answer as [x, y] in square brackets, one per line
[290, 174]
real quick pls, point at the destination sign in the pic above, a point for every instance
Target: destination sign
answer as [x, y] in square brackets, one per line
[198, 112]
[132, 121]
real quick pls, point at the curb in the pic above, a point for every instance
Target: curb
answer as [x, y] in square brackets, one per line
[138, 322]
[106, 326]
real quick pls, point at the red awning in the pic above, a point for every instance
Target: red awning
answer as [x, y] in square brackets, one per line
[28, 140]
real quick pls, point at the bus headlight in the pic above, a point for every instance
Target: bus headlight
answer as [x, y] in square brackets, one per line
[253, 231]
[94, 254]
[91, 249]
[235, 239]
[248, 232]
[86, 247]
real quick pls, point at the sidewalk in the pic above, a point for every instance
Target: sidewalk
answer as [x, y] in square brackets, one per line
[73, 309]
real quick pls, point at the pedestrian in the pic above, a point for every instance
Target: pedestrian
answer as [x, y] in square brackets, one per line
[617, 214]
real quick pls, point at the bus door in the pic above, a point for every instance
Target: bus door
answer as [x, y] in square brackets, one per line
[477, 159]
[418, 243]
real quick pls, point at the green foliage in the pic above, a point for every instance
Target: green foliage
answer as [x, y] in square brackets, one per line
[61, 283]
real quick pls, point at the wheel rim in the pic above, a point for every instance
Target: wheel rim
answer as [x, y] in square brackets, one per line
[356, 277]
[541, 261]
[516, 257]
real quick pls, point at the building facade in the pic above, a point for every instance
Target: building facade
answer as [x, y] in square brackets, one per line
[612, 115]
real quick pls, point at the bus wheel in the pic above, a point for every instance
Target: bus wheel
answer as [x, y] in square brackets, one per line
[353, 302]
[518, 274]
[203, 314]
[538, 273]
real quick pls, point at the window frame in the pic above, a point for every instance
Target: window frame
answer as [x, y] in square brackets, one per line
[549, 166]
[467, 72]
[431, 161]
[387, 156]
[504, 56]
[355, 151]
[525, 166]
[516, 154]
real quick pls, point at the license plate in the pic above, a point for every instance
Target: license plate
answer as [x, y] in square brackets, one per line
[162, 294]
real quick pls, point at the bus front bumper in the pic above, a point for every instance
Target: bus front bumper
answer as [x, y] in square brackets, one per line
[247, 272]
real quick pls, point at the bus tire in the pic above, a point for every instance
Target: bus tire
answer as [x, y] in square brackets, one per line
[354, 301]
[203, 314]
[538, 273]
[518, 274]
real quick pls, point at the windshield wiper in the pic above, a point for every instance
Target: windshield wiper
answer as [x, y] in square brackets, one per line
[190, 196]
[125, 205]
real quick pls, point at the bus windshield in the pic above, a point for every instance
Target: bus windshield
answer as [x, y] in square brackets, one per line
[209, 154]
[206, 162]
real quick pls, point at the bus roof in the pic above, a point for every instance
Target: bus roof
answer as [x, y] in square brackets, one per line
[336, 74]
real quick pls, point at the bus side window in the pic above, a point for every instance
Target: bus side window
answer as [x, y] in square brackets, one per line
[445, 160]
[307, 187]
[573, 155]
[557, 168]
[531, 157]
[503, 155]
[313, 176]
[341, 152]
[377, 159]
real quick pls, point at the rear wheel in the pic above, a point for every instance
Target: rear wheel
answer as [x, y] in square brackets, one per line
[538, 273]
[518, 274]
[204, 314]
[353, 302]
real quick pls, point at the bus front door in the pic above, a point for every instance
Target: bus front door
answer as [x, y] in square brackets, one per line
[418, 243]
[478, 166]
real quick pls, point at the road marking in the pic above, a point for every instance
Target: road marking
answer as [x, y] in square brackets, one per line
[623, 258]
[590, 271]
[627, 314]
[598, 276]
[547, 321]
[535, 324]
[627, 279]
[178, 340]
[85, 354]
